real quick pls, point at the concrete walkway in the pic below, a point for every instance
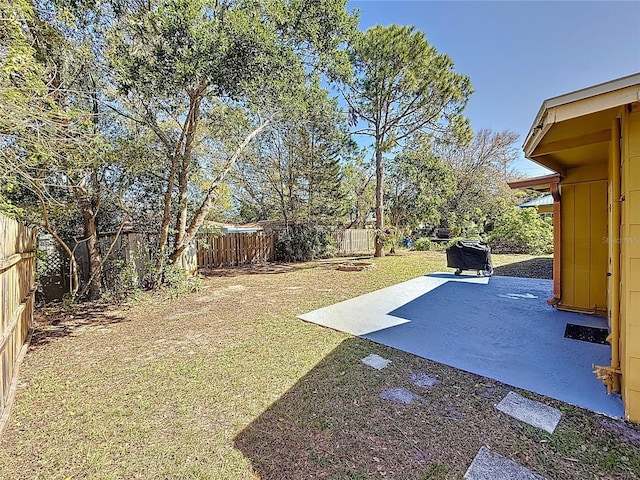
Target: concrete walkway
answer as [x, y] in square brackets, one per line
[499, 328]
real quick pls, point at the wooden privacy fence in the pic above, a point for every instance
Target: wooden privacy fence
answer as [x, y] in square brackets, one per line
[349, 241]
[17, 286]
[234, 249]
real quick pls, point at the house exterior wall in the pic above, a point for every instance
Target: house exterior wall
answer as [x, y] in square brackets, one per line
[630, 263]
[591, 138]
[584, 254]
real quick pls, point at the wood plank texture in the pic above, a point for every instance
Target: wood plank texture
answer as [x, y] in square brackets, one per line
[17, 286]
[235, 249]
[584, 247]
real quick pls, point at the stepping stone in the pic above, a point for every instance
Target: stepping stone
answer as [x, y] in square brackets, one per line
[423, 380]
[489, 465]
[529, 411]
[376, 361]
[401, 395]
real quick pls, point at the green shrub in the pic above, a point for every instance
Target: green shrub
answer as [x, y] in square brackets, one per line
[303, 243]
[422, 244]
[120, 278]
[470, 226]
[389, 237]
[521, 230]
[170, 278]
[177, 282]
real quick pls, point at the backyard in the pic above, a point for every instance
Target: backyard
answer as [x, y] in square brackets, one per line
[228, 383]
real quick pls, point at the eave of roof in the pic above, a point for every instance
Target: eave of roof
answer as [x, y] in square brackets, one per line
[542, 184]
[613, 93]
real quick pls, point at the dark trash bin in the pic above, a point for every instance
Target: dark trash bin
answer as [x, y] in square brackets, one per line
[470, 255]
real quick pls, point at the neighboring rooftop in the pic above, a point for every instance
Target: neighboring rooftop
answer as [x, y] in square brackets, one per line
[543, 201]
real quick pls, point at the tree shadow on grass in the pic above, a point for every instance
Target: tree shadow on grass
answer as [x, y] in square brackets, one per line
[53, 321]
[345, 420]
[540, 267]
[334, 424]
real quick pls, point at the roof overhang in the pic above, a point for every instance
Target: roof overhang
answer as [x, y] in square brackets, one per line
[574, 129]
[541, 184]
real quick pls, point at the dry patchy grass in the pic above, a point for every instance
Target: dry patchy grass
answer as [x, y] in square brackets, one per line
[228, 384]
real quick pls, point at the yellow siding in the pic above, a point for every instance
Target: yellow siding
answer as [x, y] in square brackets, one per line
[590, 173]
[633, 181]
[584, 242]
[633, 376]
[633, 350]
[630, 263]
[632, 405]
[599, 252]
[567, 267]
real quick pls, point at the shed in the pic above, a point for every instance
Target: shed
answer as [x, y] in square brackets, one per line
[591, 139]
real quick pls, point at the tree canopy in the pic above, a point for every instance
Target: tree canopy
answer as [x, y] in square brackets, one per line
[295, 171]
[161, 114]
[182, 65]
[402, 86]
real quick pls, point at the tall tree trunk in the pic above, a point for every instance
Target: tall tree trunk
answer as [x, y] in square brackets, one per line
[89, 204]
[311, 180]
[379, 204]
[95, 259]
[185, 167]
[166, 214]
[175, 155]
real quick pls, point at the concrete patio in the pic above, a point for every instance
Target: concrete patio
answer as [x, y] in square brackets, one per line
[499, 327]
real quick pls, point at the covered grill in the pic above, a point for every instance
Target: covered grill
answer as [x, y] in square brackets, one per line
[470, 255]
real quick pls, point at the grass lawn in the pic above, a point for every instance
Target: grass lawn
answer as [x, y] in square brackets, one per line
[227, 383]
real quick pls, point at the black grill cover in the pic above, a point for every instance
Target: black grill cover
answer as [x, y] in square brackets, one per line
[469, 255]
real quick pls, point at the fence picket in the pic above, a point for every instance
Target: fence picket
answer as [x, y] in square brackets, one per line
[17, 281]
[234, 249]
[353, 241]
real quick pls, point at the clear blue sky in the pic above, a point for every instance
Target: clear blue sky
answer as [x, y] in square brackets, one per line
[519, 53]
